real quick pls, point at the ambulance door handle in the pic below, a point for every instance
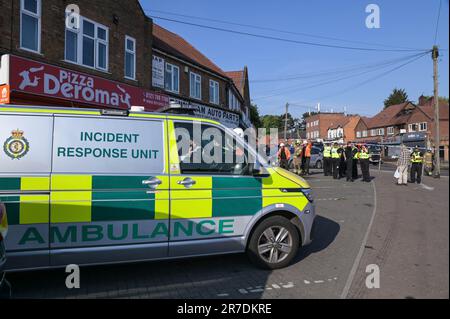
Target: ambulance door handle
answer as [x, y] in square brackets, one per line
[187, 182]
[152, 183]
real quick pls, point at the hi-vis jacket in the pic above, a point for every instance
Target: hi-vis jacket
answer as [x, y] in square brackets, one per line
[86, 187]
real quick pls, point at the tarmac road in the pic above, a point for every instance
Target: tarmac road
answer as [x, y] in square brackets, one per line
[355, 228]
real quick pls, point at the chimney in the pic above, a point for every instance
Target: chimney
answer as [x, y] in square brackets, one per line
[425, 101]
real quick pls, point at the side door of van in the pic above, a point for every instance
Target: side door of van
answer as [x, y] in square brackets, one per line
[25, 164]
[109, 190]
[212, 201]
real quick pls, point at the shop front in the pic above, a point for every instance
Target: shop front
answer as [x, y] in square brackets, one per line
[229, 119]
[28, 82]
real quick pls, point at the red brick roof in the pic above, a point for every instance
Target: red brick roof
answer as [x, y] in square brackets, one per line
[238, 79]
[339, 123]
[386, 116]
[429, 110]
[175, 45]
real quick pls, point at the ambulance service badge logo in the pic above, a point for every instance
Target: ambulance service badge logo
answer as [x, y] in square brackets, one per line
[16, 146]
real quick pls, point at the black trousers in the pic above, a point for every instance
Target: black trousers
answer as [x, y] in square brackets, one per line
[342, 168]
[416, 172]
[327, 166]
[335, 163]
[307, 161]
[364, 163]
[349, 170]
[284, 163]
[355, 169]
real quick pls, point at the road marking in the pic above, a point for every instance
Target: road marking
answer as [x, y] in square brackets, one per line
[223, 295]
[318, 281]
[428, 188]
[361, 249]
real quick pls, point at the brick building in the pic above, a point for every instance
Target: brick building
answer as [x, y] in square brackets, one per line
[317, 125]
[193, 81]
[417, 121]
[343, 129]
[97, 53]
[97, 57]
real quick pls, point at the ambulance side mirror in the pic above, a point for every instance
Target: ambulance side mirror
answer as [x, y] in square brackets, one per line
[258, 170]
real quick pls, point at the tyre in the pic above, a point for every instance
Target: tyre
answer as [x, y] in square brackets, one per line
[319, 164]
[274, 243]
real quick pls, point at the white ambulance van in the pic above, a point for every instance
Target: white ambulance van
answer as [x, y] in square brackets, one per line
[83, 186]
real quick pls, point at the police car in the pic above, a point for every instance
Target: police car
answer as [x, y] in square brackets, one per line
[84, 186]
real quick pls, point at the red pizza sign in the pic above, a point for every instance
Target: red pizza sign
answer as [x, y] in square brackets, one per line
[47, 80]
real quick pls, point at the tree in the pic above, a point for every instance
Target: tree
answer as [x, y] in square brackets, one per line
[442, 99]
[271, 121]
[254, 115]
[397, 96]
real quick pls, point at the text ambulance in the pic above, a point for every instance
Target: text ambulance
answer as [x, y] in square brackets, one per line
[90, 187]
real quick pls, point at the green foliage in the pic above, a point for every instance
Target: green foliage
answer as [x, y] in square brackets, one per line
[254, 116]
[397, 96]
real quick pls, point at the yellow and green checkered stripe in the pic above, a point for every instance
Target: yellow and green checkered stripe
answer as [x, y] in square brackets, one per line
[28, 208]
[85, 198]
[82, 198]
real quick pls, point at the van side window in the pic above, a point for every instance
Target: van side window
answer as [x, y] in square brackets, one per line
[207, 149]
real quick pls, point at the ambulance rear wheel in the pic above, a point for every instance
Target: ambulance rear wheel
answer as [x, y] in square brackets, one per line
[274, 243]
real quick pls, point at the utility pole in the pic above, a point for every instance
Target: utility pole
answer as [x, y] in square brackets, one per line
[285, 121]
[437, 142]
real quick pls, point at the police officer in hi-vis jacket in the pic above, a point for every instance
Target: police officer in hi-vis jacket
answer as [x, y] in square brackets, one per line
[364, 163]
[327, 162]
[416, 165]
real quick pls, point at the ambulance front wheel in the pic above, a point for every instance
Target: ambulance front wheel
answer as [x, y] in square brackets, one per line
[274, 243]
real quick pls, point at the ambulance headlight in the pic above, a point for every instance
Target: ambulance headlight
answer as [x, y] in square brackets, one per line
[308, 194]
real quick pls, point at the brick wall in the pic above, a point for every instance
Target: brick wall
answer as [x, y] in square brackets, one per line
[184, 89]
[131, 22]
[325, 121]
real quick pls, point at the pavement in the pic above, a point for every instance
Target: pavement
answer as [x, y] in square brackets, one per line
[403, 230]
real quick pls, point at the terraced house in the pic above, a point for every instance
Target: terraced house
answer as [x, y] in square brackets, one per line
[408, 122]
[99, 54]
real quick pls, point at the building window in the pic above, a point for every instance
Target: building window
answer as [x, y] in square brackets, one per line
[412, 127]
[390, 130]
[130, 58]
[423, 126]
[381, 131]
[358, 134]
[195, 86]
[172, 78]
[373, 132]
[213, 92]
[30, 25]
[364, 133]
[233, 102]
[88, 45]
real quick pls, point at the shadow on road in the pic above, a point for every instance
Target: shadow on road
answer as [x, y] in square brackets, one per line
[325, 234]
[227, 276]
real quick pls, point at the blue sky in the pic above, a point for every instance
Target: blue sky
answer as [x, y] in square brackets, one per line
[404, 23]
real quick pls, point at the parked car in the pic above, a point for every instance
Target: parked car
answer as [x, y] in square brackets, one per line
[316, 158]
[375, 154]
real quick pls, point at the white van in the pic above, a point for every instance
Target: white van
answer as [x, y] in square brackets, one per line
[87, 186]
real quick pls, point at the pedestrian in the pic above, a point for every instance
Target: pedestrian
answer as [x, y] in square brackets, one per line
[307, 157]
[349, 153]
[283, 156]
[364, 163]
[428, 162]
[327, 160]
[297, 157]
[303, 158]
[342, 162]
[416, 166]
[355, 162]
[335, 158]
[402, 165]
